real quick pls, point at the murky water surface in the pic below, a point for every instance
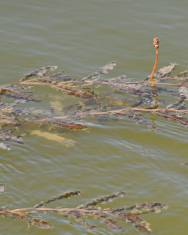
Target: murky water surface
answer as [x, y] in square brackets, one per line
[79, 36]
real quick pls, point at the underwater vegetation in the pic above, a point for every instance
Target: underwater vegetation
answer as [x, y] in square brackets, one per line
[164, 93]
[96, 97]
[83, 214]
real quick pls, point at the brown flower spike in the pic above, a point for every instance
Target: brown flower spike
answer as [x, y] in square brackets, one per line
[156, 42]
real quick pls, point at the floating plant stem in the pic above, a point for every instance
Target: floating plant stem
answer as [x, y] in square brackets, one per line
[65, 195]
[103, 200]
[107, 216]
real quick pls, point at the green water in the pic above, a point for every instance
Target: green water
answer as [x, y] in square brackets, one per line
[79, 36]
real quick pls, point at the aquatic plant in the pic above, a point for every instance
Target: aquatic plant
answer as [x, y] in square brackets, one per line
[96, 95]
[84, 214]
[154, 70]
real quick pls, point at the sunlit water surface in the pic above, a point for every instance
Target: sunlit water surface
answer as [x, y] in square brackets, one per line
[79, 36]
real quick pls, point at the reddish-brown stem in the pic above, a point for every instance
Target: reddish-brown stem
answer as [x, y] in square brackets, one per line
[155, 66]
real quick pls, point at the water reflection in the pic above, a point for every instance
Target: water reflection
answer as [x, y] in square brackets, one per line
[155, 97]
